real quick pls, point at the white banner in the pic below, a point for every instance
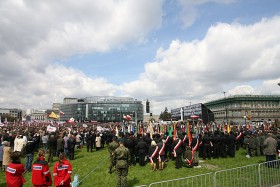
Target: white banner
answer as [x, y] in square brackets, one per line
[51, 129]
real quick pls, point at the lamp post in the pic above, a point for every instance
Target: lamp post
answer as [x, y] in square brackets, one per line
[225, 105]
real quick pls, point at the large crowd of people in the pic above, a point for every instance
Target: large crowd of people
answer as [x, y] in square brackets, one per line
[183, 145]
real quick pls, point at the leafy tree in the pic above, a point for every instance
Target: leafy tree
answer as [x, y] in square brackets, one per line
[165, 115]
[8, 117]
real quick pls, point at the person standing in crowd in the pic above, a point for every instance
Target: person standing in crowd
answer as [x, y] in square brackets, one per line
[41, 176]
[129, 143]
[262, 138]
[111, 148]
[60, 145]
[103, 139]
[15, 171]
[122, 158]
[278, 146]
[19, 143]
[258, 144]
[252, 146]
[36, 140]
[98, 141]
[141, 149]
[94, 138]
[7, 150]
[168, 149]
[161, 153]
[29, 152]
[66, 137]
[153, 155]
[178, 152]
[1, 155]
[231, 144]
[45, 139]
[62, 171]
[11, 140]
[89, 141]
[270, 145]
[71, 147]
[52, 144]
[78, 141]
[194, 147]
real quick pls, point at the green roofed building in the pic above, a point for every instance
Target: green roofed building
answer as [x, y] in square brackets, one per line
[246, 108]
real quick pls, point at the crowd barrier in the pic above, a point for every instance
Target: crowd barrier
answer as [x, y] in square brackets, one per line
[197, 180]
[256, 175]
[269, 173]
[240, 176]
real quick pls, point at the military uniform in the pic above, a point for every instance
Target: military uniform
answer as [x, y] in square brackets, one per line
[111, 148]
[122, 158]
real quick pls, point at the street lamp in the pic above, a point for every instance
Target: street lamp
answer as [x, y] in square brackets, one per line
[225, 105]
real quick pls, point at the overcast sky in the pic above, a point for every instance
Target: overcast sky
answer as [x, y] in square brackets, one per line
[171, 52]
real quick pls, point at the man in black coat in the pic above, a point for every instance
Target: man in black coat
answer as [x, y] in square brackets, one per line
[71, 146]
[142, 150]
[29, 152]
[52, 146]
[129, 143]
[178, 152]
[231, 144]
[89, 140]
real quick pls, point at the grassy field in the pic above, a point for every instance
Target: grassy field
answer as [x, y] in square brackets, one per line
[85, 162]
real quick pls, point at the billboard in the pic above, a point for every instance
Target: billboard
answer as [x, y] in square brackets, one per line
[193, 110]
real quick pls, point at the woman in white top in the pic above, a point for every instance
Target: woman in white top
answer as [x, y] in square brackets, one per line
[98, 141]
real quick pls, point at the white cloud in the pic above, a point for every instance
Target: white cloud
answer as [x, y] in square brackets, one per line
[230, 55]
[189, 12]
[63, 28]
[34, 34]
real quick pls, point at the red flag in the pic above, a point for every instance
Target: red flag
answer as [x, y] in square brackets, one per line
[174, 131]
[189, 134]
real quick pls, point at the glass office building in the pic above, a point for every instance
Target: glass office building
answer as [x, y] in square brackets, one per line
[101, 109]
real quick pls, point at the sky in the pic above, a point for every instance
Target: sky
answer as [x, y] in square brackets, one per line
[171, 52]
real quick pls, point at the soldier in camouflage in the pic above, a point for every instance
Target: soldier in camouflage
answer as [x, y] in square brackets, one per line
[111, 148]
[122, 159]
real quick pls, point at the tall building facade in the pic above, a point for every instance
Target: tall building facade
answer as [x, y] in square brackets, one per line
[101, 109]
[243, 108]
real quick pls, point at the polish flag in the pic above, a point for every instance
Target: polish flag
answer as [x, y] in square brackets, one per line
[61, 113]
[71, 120]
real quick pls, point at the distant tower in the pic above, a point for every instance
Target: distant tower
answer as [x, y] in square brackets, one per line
[147, 106]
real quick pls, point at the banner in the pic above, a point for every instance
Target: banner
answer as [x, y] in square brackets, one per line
[51, 129]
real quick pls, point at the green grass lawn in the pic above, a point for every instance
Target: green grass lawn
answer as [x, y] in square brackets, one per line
[85, 162]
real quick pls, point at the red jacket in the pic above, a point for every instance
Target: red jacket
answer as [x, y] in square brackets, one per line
[62, 172]
[14, 175]
[41, 175]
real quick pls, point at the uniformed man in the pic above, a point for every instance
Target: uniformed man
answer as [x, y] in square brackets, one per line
[178, 151]
[111, 148]
[122, 158]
